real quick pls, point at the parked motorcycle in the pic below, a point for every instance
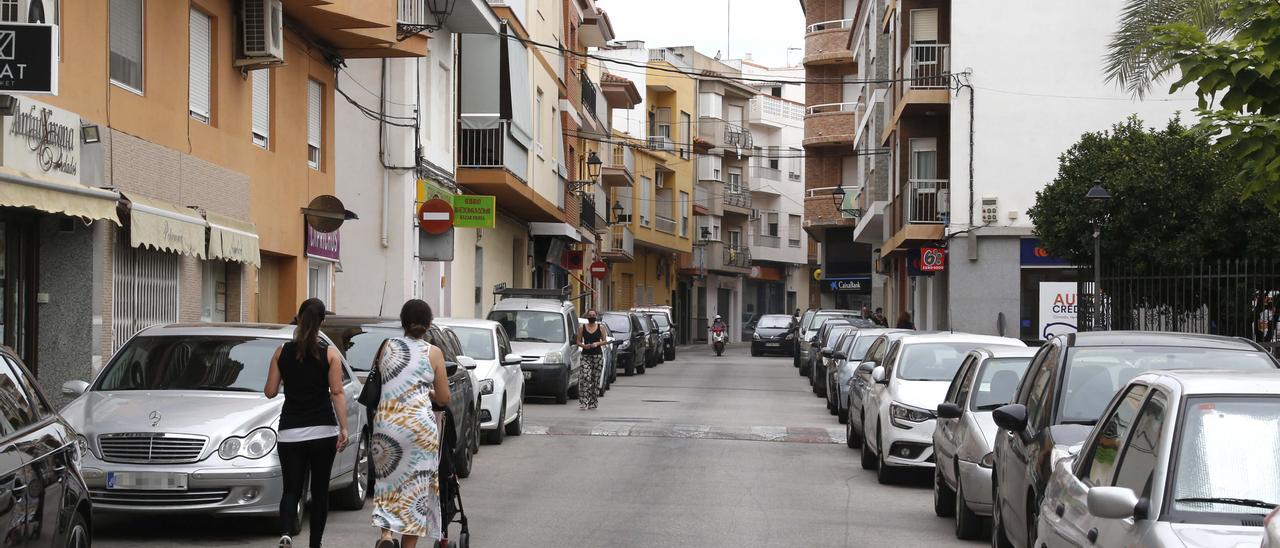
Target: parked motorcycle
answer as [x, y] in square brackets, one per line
[718, 338]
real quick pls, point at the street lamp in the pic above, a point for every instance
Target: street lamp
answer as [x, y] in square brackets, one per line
[1099, 195]
[593, 173]
[617, 211]
[441, 10]
[839, 195]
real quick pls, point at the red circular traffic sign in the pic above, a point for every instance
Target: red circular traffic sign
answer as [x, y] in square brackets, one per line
[599, 269]
[435, 216]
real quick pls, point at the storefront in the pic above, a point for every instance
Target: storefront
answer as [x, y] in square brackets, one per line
[1048, 292]
[323, 255]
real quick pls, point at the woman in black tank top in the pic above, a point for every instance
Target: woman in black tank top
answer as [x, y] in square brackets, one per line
[591, 339]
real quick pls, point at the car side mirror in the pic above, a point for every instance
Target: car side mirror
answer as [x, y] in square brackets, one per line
[879, 375]
[949, 411]
[511, 359]
[826, 352]
[72, 389]
[1113, 502]
[839, 355]
[450, 368]
[866, 367]
[1012, 417]
[467, 362]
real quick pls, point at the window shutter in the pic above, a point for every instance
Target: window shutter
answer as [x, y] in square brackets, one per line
[200, 67]
[126, 42]
[314, 106]
[924, 26]
[262, 103]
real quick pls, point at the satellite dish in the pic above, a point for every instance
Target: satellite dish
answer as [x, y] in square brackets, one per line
[326, 213]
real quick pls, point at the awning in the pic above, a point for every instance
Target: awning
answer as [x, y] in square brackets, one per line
[165, 227]
[562, 230]
[18, 189]
[233, 240]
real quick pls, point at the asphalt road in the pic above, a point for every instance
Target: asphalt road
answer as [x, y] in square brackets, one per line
[703, 451]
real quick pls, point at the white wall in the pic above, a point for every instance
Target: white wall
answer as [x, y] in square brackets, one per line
[1037, 70]
[631, 122]
[439, 112]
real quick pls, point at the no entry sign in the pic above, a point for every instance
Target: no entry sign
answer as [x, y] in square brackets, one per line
[599, 269]
[435, 216]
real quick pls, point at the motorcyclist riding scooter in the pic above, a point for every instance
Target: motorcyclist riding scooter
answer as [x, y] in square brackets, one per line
[718, 334]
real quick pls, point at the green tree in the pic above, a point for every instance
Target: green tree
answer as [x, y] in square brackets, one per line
[1238, 82]
[1134, 58]
[1173, 202]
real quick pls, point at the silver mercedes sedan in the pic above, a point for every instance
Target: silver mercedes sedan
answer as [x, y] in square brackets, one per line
[177, 423]
[966, 434]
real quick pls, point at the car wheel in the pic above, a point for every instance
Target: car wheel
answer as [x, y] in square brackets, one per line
[842, 414]
[868, 458]
[494, 437]
[1033, 515]
[820, 383]
[517, 426]
[671, 354]
[640, 369]
[755, 353]
[885, 474]
[795, 356]
[352, 497]
[78, 532]
[295, 527]
[944, 503]
[998, 537]
[462, 466]
[850, 437]
[562, 395]
[968, 524]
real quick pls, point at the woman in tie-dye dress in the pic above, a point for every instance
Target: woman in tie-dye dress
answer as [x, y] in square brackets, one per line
[406, 438]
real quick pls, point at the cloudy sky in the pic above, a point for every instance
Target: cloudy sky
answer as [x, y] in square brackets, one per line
[763, 28]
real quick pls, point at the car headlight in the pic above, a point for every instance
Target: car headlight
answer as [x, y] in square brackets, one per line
[625, 344]
[82, 446]
[486, 387]
[553, 357]
[987, 460]
[900, 412]
[666, 335]
[755, 336]
[791, 336]
[256, 445]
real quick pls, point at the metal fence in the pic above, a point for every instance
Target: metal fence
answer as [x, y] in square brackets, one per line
[1237, 298]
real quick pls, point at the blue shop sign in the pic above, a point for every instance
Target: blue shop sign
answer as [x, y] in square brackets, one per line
[855, 284]
[1034, 254]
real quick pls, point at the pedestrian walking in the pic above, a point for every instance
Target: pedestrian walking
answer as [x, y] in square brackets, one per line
[406, 439]
[879, 318]
[904, 321]
[311, 432]
[591, 339]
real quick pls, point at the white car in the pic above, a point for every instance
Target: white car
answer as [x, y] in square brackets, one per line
[900, 410]
[498, 373]
[1182, 459]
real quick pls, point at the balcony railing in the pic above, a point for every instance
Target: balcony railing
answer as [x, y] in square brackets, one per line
[588, 213]
[589, 92]
[737, 256]
[830, 25]
[768, 108]
[833, 107]
[737, 199]
[664, 224]
[928, 200]
[765, 240]
[661, 142]
[621, 242]
[482, 147]
[930, 66]
[413, 13]
[765, 174]
[737, 136]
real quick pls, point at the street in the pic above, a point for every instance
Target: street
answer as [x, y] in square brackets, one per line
[702, 451]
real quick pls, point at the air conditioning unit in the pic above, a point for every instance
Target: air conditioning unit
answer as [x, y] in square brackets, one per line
[262, 33]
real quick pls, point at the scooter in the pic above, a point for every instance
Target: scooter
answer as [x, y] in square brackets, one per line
[718, 339]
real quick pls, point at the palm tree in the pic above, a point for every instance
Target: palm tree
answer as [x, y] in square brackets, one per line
[1133, 61]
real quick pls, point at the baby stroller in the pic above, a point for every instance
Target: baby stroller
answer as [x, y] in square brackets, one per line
[450, 497]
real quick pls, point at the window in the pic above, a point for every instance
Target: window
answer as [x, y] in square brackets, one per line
[214, 293]
[776, 91]
[537, 123]
[1138, 462]
[315, 119]
[924, 26]
[1101, 460]
[710, 105]
[200, 77]
[773, 224]
[9, 11]
[734, 184]
[646, 196]
[953, 391]
[127, 23]
[318, 281]
[262, 107]
[793, 230]
[924, 159]
[1039, 399]
[735, 238]
[686, 135]
[684, 214]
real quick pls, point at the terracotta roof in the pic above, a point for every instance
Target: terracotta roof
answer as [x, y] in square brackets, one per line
[611, 77]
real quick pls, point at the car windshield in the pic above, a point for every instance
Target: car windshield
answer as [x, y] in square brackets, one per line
[807, 318]
[1094, 374]
[858, 350]
[834, 337]
[933, 361]
[363, 346]
[477, 342]
[232, 364]
[661, 320]
[996, 382]
[1215, 472]
[774, 322]
[531, 325]
[824, 317]
[617, 323]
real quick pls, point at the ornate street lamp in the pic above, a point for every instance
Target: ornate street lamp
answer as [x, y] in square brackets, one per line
[441, 9]
[593, 174]
[617, 212]
[1098, 195]
[839, 195]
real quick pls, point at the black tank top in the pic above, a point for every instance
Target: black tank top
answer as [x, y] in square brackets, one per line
[306, 389]
[591, 338]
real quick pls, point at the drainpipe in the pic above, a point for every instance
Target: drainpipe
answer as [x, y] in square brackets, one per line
[386, 176]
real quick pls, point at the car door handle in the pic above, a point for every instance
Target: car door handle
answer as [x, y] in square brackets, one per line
[1060, 510]
[1092, 536]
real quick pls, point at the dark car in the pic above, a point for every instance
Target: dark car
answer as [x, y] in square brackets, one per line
[1066, 389]
[46, 500]
[774, 333]
[809, 333]
[359, 339]
[801, 344]
[633, 340]
[654, 341]
[826, 356]
[667, 331]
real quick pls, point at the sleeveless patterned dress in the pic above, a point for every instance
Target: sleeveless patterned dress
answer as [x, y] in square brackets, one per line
[406, 443]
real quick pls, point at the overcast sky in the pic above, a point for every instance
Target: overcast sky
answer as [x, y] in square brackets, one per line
[764, 28]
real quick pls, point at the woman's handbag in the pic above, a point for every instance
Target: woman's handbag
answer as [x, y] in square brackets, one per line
[371, 394]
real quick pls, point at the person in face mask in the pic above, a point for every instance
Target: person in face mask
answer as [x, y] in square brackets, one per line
[590, 340]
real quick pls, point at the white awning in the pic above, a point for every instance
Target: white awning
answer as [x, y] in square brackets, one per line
[561, 230]
[233, 240]
[165, 227]
[19, 189]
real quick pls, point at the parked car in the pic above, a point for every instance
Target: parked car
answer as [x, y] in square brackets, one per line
[543, 328]
[801, 343]
[811, 331]
[359, 338]
[825, 356]
[667, 324]
[899, 413]
[609, 355]
[1179, 458]
[46, 501]
[499, 375]
[633, 340]
[177, 422]
[849, 352]
[1066, 389]
[774, 334]
[1271, 525]
[860, 383]
[654, 341]
[965, 436]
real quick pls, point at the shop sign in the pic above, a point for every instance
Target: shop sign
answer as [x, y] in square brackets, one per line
[933, 259]
[1058, 306]
[323, 245]
[572, 259]
[40, 138]
[429, 190]
[766, 273]
[28, 59]
[857, 284]
[1034, 254]
[475, 211]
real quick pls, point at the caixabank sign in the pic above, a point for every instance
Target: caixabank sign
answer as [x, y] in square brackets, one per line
[28, 59]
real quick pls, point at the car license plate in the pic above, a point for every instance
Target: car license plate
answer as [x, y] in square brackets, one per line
[528, 375]
[773, 344]
[147, 481]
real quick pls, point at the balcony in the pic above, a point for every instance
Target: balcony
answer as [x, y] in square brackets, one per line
[718, 256]
[620, 245]
[766, 180]
[705, 202]
[356, 29]
[661, 143]
[827, 43]
[832, 124]
[737, 201]
[737, 257]
[729, 138]
[486, 166]
[589, 92]
[483, 147]
[930, 66]
[822, 211]
[776, 112]
[766, 241]
[925, 88]
[619, 168]
[928, 201]
[590, 215]
[664, 224]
